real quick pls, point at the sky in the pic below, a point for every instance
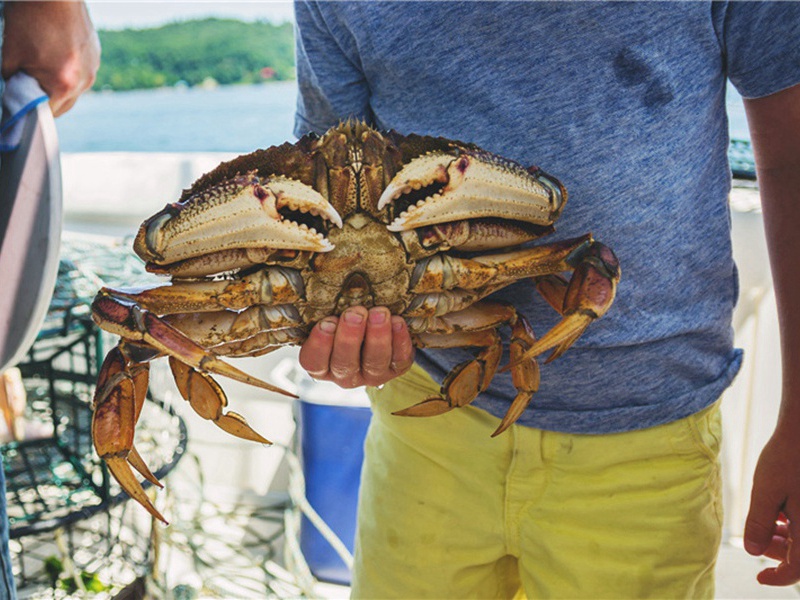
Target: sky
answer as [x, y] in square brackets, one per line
[121, 14]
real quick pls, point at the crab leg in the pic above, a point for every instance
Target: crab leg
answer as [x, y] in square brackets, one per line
[524, 374]
[466, 380]
[207, 399]
[223, 327]
[273, 285]
[126, 319]
[476, 326]
[478, 316]
[588, 296]
[443, 272]
[263, 343]
[553, 288]
[446, 284]
[118, 401]
[470, 235]
[233, 259]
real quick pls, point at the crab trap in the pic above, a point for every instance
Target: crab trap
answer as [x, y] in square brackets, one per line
[70, 526]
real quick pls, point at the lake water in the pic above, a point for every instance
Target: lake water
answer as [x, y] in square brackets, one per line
[225, 119]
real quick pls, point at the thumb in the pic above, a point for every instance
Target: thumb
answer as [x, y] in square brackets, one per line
[761, 522]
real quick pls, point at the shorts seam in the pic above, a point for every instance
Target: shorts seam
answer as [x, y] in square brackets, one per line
[510, 521]
[712, 480]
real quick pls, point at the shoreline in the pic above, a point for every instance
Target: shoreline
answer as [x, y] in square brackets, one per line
[190, 88]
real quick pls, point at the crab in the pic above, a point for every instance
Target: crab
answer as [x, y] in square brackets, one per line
[266, 245]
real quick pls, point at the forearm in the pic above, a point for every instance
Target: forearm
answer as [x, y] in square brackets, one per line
[780, 191]
[774, 517]
[776, 144]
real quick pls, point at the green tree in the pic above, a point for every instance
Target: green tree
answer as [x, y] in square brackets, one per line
[227, 50]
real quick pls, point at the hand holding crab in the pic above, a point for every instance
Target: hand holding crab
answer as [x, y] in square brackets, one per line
[359, 348]
[267, 249]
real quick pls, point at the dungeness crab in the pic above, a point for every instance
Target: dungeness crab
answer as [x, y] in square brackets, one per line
[266, 245]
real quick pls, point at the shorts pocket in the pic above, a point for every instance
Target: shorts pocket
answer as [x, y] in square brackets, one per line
[700, 434]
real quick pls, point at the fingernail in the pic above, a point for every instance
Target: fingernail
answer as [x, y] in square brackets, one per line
[328, 326]
[353, 317]
[377, 316]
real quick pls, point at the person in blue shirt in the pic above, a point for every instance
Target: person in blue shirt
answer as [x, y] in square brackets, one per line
[56, 44]
[609, 483]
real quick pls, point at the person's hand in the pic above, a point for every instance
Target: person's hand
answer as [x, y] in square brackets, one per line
[773, 523]
[56, 44]
[359, 348]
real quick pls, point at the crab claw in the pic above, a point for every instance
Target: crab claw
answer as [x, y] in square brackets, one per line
[244, 212]
[443, 187]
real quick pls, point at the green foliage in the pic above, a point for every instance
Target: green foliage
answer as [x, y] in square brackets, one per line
[58, 580]
[226, 50]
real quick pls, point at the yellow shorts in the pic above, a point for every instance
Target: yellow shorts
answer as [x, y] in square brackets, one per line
[445, 511]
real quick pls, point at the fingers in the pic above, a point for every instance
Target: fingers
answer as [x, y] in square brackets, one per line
[360, 348]
[402, 347]
[64, 96]
[761, 519]
[377, 355]
[345, 363]
[773, 523]
[783, 549]
[315, 353]
[56, 44]
[332, 351]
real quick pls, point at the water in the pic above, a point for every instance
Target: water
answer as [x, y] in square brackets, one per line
[226, 119]
[737, 120]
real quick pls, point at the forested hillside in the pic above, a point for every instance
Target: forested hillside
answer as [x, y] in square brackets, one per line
[225, 50]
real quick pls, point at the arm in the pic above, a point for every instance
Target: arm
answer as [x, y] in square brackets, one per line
[56, 44]
[775, 127]
[330, 83]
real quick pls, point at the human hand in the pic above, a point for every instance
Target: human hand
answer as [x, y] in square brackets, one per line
[56, 44]
[774, 518]
[360, 348]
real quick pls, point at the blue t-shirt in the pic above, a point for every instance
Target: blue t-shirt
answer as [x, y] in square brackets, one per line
[625, 104]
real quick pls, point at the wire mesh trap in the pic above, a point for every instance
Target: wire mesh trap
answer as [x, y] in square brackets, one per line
[68, 518]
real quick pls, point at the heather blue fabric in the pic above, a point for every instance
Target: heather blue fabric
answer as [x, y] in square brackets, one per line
[625, 103]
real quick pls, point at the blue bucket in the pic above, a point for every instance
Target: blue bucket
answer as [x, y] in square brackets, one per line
[331, 439]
